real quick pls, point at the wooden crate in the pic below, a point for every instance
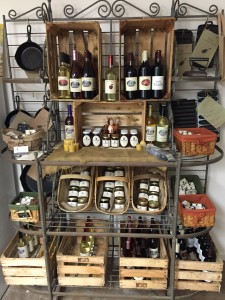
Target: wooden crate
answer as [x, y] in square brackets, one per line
[154, 270]
[66, 36]
[76, 270]
[26, 271]
[93, 114]
[149, 34]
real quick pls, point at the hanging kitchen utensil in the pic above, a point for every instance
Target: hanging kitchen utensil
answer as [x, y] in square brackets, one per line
[13, 113]
[29, 55]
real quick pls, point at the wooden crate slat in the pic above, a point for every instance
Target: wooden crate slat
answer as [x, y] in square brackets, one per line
[80, 259]
[15, 262]
[197, 286]
[150, 273]
[26, 280]
[81, 281]
[143, 284]
[198, 265]
[89, 270]
[24, 272]
[195, 275]
[143, 262]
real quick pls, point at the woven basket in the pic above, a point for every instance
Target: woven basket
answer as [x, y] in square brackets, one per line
[33, 141]
[148, 173]
[63, 189]
[201, 142]
[99, 185]
[197, 217]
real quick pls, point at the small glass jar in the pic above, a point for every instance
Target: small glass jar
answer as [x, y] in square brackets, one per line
[104, 203]
[105, 141]
[84, 249]
[154, 185]
[96, 138]
[143, 185]
[119, 172]
[82, 201]
[83, 192]
[85, 183]
[107, 194]
[133, 137]
[124, 140]
[109, 172]
[74, 182]
[119, 183]
[87, 137]
[85, 173]
[119, 192]
[109, 184]
[153, 201]
[143, 194]
[119, 202]
[115, 140]
[142, 204]
[72, 201]
[73, 191]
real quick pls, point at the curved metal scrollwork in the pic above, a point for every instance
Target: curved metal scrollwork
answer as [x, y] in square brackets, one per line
[117, 9]
[181, 9]
[43, 12]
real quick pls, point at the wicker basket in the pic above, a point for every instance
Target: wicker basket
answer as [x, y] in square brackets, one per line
[197, 217]
[99, 185]
[33, 141]
[148, 173]
[63, 189]
[201, 142]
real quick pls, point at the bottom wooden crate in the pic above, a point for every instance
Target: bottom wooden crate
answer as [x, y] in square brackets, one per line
[154, 271]
[26, 271]
[76, 270]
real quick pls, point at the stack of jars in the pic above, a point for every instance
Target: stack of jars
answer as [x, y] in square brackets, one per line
[148, 194]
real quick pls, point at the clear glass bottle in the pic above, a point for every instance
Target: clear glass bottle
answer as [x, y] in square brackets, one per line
[158, 76]
[69, 124]
[88, 77]
[150, 127]
[75, 77]
[144, 74]
[64, 76]
[110, 81]
[130, 78]
[162, 129]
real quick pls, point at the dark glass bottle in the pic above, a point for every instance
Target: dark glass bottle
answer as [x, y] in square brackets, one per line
[88, 77]
[157, 77]
[153, 246]
[130, 78]
[69, 124]
[144, 74]
[75, 77]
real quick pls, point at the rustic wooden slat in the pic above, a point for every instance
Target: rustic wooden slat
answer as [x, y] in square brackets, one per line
[197, 286]
[81, 281]
[89, 270]
[196, 275]
[63, 40]
[198, 265]
[143, 262]
[23, 272]
[147, 273]
[26, 281]
[144, 284]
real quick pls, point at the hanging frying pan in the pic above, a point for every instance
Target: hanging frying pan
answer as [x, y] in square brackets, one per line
[13, 113]
[29, 55]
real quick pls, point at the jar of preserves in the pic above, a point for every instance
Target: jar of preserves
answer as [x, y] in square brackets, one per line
[119, 202]
[153, 201]
[154, 185]
[74, 182]
[87, 137]
[85, 183]
[73, 191]
[83, 192]
[104, 203]
[107, 193]
[143, 184]
[72, 201]
[143, 194]
[124, 140]
[109, 184]
[115, 142]
[119, 192]
[119, 183]
[109, 172]
[142, 204]
[119, 172]
[96, 138]
[105, 140]
[84, 248]
[82, 201]
[85, 173]
[133, 137]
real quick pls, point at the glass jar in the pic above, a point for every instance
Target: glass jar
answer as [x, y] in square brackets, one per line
[74, 182]
[107, 193]
[87, 137]
[73, 191]
[85, 173]
[124, 140]
[119, 202]
[154, 185]
[105, 141]
[143, 185]
[119, 192]
[104, 203]
[143, 194]
[109, 184]
[84, 183]
[109, 172]
[142, 204]
[153, 201]
[119, 183]
[82, 201]
[83, 192]
[119, 172]
[72, 201]
[133, 138]
[115, 140]
[96, 138]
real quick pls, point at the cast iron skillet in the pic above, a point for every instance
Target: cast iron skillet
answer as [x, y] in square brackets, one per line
[29, 55]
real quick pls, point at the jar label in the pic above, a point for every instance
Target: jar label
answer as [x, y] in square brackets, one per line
[75, 85]
[104, 205]
[86, 140]
[23, 251]
[153, 198]
[134, 141]
[162, 133]
[123, 141]
[83, 194]
[74, 182]
[107, 194]
[153, 252]
[110, 86]
[119, 173]
[143, 195]
[63, 83]
[119, 206]
[88, 84]
[144, 208]
[150, 132]
[109, 173]
[154, 188]
[73, 193]
[96, 140]
[115, 143]
[143, 186]
[144, 83]
[119, 183]
[131, 84]
[84, 183]
[109, 184]
[74, 204]
[69, 132]
[106, 143]
[119, 194]
[157, 83]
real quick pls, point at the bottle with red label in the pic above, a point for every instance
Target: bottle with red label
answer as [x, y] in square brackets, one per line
[110, 81]
[64, 76]
[144, 74]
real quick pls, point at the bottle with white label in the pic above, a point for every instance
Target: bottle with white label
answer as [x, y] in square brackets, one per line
[150, 127]
[87, 137]
[75, 77]
[144, 75]
[162, 129]
[158, 77]
[130, 78]
[69, 124]
[133, 137]
[110, 81]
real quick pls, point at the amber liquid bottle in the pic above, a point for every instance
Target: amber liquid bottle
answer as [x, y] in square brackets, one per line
[162, 129]
[88, 77]
[75, 77]
[110, 81]
[64, 77]
[150, 127]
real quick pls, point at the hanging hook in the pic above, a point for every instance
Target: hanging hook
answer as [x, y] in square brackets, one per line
[17, 102]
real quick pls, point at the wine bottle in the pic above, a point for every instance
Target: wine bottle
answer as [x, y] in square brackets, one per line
[157, 77]
[153, 246]
[64, 77]
[88, 77]
[110, 81]
[69, 124]
[150, 127]
[144, 74]
[130, 78]
[75, 77]
[162, 129]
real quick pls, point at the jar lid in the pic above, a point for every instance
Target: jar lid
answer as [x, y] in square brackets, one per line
[86, 131]
[124, 131]
[96, 131]
[133, 131]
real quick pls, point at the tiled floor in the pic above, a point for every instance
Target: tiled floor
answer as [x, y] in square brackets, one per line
[23, 293]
